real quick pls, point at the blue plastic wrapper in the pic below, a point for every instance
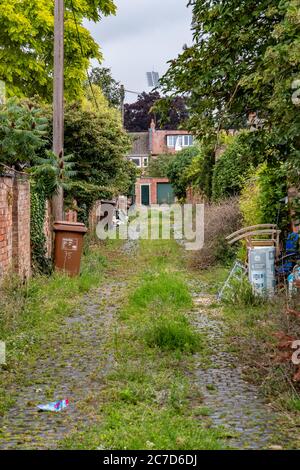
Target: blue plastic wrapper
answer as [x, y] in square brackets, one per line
[54, 406]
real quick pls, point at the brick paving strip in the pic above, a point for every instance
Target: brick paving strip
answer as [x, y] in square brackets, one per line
[75, 364]
[74, 369]
[234, 403]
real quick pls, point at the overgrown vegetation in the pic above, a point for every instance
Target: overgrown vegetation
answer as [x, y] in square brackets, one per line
[28, 70]
[221, 219]
[176, 171]
[148, 401]
[22, 133]
[31, 312]
[253, 326]
[242, 80]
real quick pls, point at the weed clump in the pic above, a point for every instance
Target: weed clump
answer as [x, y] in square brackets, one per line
[241, 294]
[162, 289]
[172, 334]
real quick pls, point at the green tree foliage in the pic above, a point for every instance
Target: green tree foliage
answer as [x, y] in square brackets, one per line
[177, 168]
[98, 145]
[199, 173]
[273, 190]
[230, 40]
[263, 194]
[23, 130]
[111, 89]
[26, 44]
[158, 166]
[231, 167]
[247, 150]
[245, 58]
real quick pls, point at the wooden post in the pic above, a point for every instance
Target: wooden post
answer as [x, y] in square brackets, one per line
[123, 105]
[58, 100]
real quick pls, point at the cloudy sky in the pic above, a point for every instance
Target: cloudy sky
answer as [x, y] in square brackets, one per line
[144, 35]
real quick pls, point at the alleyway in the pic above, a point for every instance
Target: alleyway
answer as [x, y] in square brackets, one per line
[129, 374]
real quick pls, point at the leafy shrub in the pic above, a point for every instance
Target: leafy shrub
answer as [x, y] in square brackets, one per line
[262, 196]
[159, 166]
[273, 189]
[250, 201]
[248, 149]
[231, 166]
[177, 168]
[199, 173]
[22, 133]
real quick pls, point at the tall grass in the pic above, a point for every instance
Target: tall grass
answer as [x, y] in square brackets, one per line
[28, 310]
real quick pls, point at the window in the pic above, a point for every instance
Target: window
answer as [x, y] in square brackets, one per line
[171, 141]
[188, 140]
[136, 161]
[145, 161]
[174, 141]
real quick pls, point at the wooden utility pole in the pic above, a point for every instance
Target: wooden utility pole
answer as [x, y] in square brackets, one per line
[58, 100]
[123, 104]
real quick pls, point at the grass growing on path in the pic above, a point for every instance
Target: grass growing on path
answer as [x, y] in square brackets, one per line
[149, 401]
[251, 328]
[31, 313]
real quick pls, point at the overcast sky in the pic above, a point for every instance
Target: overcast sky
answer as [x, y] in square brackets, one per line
[144, 35]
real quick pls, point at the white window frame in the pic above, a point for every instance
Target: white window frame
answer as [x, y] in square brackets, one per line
[132, 159]
[172, 140]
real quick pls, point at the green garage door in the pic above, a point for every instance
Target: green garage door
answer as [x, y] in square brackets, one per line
[165, 193]
[145, 190]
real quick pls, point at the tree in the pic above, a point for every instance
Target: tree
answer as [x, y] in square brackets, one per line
[111, 89]
[177, 171]
[231, 38]
[138, 115]
[26, 45]
[245, 58]
[98, 144]
[23, 130]
[158, 167]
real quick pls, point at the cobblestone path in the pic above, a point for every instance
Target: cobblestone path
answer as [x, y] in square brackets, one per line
[233, 402]
[72, 368]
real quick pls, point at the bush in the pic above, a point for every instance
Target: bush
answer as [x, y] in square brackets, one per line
[221, 219]
[177, 168]
[250, 202]
[262, 196]
[22, 133]
[159, 166]
[199, 173]
[247, 149]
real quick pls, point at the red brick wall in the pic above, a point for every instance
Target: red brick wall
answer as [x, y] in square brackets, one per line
[153, 189]
[21, 228]
[6, 201]
[159, 141]
[15, 226]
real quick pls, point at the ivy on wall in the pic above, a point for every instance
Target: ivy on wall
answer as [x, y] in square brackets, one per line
[40, 262]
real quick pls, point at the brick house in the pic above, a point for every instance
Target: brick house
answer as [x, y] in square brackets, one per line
[148, 145]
